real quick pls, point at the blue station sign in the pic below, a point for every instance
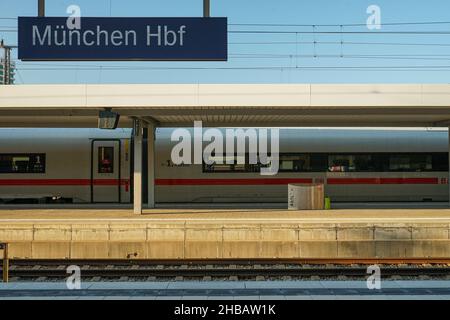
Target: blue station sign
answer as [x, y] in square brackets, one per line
[159, 39]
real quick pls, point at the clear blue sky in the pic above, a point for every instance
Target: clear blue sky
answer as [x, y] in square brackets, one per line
[293, 61]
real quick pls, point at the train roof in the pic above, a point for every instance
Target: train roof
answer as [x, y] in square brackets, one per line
[63, 133]
[291, 139]
[355, 140]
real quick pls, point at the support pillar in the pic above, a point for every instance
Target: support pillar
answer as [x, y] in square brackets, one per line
[137, 174]
[41, 8]
[206, 8]
[151, 166]
[448, 172]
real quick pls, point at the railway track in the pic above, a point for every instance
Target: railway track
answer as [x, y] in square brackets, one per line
[223, 269]
[293, 261]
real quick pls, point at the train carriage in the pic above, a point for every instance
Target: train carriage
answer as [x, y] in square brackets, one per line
[94, 166]
[65, 165]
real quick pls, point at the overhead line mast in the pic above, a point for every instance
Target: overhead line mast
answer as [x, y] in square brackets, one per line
[6, 67]
[206, 9]
[41, 8]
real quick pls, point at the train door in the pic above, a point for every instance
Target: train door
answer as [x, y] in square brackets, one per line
[105, 171]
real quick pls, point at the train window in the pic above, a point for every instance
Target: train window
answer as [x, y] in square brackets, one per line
[363, 162]
[321, 162]
[238, 165]
[288, 163]
[340, 163]
[241, 163]
[379, 163]
[105, 159]
[399, 163]
[350, 163]
[410, 162]
[22, 163]
[295, 163]
[440, 162]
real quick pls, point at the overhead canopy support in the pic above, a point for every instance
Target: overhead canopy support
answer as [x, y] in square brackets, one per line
[151, 166]
[41, 8]
[137, 172]
[206, 9]
[139, 165]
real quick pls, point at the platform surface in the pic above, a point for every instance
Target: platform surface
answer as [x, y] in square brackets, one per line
[230, 215]
[229, 290]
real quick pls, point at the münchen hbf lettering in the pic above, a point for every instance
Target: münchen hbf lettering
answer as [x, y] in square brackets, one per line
[60, 35]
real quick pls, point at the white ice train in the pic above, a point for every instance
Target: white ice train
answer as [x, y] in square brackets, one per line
[93, 166]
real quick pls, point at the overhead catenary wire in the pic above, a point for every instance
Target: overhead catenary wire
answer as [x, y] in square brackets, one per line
[343, 57]
[320, 32]
[288, 55]
[415, 32]
[364, 43]
[422, 56]
[299, 50]
[335, 25]
[338, 42]
[20, 76]
[241, 68]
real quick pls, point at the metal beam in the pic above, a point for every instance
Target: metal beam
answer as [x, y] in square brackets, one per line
[263, 111]
[206, 9]
[41, 8]
[441, 123]
[151, 121]
[58, 122]
[290, 124]
[35, 112]
[149, 115]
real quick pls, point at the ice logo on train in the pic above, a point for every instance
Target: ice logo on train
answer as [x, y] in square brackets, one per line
[235, 153]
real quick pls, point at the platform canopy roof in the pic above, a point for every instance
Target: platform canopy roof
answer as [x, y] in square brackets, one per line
[171, 105]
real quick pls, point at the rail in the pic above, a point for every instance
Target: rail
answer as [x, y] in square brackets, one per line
[222, 269]
[226, 261]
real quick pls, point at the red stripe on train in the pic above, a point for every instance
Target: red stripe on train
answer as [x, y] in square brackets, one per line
[61, 182]
[208, 182]
[265, 181]
[383, 180]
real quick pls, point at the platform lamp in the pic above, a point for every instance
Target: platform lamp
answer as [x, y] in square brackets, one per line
[108, 119]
